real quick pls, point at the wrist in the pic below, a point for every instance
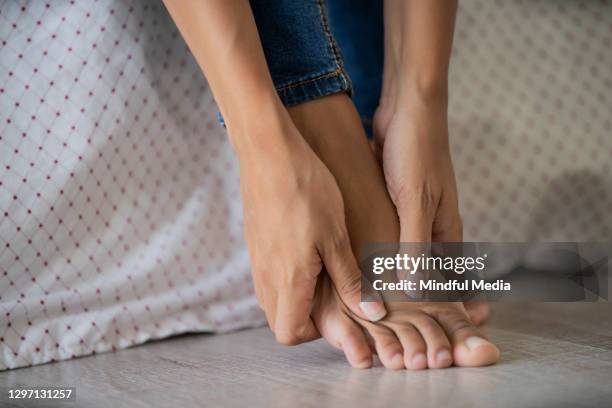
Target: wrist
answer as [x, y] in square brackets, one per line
[261, 133]
[422, 90]
[407, 90]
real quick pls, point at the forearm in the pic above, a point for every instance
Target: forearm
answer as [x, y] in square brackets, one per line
[223, 37]
[418, 42]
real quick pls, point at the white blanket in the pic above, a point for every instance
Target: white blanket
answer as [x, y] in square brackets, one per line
[121, 217]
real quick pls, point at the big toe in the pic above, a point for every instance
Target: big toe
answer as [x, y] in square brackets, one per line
[470, 347]
[474, 351]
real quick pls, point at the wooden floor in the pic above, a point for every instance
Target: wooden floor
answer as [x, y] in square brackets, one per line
[553, 355]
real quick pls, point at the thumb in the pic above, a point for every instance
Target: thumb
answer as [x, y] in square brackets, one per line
[344, 272]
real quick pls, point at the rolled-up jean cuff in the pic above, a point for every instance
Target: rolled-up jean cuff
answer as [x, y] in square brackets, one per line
[303, 58]
[310, 89]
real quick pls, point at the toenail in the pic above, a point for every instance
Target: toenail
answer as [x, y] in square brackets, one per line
[363, 364]
[397, 360]
[419, 360]
[443, 355]
[474, 342]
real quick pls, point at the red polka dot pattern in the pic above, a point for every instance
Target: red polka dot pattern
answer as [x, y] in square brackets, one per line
[120, 218]
[531, 119]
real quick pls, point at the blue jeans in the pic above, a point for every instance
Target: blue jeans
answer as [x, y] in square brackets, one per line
[358, 28]
[316, 48]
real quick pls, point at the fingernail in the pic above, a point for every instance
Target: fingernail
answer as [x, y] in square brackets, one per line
[419, 361]
[474, 342]
[443, 355]
[373, 310]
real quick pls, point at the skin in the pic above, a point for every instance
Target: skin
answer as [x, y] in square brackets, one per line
[295, 205]
[413, 335]
[293, 208]
[411, 125]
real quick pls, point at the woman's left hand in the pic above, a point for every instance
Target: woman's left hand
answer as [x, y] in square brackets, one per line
[411, 140]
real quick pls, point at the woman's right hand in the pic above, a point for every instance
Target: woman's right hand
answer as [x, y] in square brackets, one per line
[294, 226]
[294, 214]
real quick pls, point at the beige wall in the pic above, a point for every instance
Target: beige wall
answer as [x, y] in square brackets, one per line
[531, 119]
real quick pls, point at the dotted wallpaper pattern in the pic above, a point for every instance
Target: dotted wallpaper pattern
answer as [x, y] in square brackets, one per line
[531, 119]
[120, 217]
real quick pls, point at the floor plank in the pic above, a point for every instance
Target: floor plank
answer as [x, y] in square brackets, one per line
[552, 355]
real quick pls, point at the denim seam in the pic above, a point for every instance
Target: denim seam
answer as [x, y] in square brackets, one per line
[333, 47]
[332, 44]
[336, 72]
[330, 38]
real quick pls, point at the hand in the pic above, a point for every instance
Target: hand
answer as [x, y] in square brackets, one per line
[411, 139]
[294, 226]
[294, 214]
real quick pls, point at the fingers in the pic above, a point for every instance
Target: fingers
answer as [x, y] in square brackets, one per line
[295, 333]
[288, 311]
[343, 270]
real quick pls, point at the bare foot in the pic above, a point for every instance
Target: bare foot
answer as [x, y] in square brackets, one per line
[414, 335]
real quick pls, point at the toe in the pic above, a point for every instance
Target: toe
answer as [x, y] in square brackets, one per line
[387, 346]
[438, 347]
[470, 347]
[338, 328]
[415, 349]
[346, 335]
[356, 348]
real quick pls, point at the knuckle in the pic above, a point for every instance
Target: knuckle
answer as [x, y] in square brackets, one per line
[350, 286]
[338, 240]
[422, 196]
